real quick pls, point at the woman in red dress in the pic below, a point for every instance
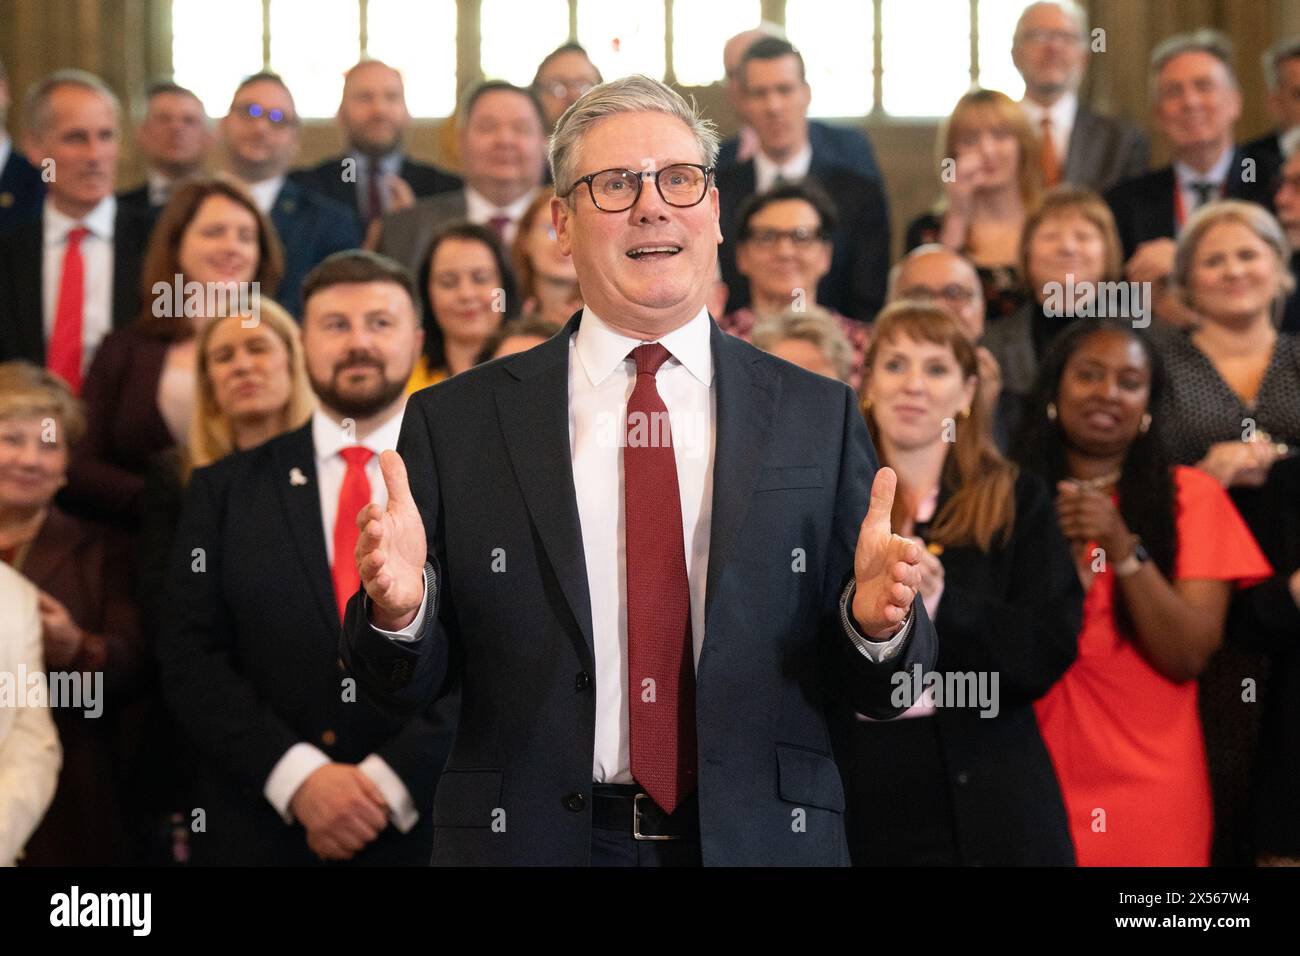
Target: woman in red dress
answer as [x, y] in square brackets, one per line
[1159, 550]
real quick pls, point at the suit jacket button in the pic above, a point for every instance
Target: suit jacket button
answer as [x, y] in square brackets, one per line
[963, 777]
[584, 680]
[329, 738]
[575, 802]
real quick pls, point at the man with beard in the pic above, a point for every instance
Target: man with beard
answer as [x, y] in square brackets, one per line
[298, 769]
[375, 177]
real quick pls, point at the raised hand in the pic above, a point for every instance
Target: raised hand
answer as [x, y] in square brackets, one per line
[886, 566]
[391, 550]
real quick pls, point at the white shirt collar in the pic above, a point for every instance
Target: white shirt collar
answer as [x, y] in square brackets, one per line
[388, 163]
[1288, 141]
[796, 167]
[480, 210]
[5, 149]
[265, 192]
[329, 439]
[99, 221]
[1217, 175]
[160, 188]
[601, 349]
[1061, 113]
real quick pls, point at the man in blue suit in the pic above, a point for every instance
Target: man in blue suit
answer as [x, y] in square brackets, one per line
[21, 186]
[259, 138]
[639, 550]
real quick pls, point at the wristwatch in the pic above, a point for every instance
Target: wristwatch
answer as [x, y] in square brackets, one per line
[1133, 563]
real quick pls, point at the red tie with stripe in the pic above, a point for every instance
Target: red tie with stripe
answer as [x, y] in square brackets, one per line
[66, 343]
[353, 496]
[660, 658]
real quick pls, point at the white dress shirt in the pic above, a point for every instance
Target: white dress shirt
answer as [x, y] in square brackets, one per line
[766, 170]
[481, 211]
[264, 193]
[1062, 114]
[160, 187]
[601, 377]
[303, 759]
[97, 263]
[5, 149]
[1287, 141]
[1218, 176]
[390, 164]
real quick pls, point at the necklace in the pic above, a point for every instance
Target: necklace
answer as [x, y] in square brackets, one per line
[1100, 482]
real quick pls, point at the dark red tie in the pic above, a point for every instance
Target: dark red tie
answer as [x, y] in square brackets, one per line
[499, 224]
[353, 496]
[66, 342]
[375, 205]
[660, 659]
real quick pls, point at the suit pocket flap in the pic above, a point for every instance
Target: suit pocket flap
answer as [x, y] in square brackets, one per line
[809, 778]
[467, 798]
[776, 479]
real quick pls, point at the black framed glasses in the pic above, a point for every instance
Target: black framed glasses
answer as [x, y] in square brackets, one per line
[952, 293]
[616, 190]
[802, 237]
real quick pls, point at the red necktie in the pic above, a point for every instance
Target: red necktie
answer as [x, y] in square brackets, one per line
[374, 204]
[499, 223]
[65, 351]
[660, 659]
[353, 496]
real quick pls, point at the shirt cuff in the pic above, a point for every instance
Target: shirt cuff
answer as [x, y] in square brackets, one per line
[412, 631]
[876, 651]
[401, 808]
[298, 763]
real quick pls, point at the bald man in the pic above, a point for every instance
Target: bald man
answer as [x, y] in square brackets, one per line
[375, 176]
[847, 148]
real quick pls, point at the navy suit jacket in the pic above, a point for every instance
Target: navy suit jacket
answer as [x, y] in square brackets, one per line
[310, 227]
[838, 145]
[859, 272]
[250, 667]
[21, 192]
[327, 179]
[489, 462]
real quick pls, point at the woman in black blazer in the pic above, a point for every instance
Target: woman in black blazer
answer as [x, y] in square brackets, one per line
[947, 783]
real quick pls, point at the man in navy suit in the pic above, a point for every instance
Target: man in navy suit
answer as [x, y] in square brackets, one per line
[777, 95]
[259, 138]
[21, 186]
[375, 177]
[639, 549]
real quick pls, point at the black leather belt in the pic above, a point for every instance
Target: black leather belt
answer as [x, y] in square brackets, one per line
[629, 810]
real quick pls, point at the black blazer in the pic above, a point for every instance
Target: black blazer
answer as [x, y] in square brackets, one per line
[249, 660]
[311, 227]
[1144, 205]
[488, 457]
[1014, 611]
[22, 311]
[327, 179]
[855, 284]
[138, 200]
[22, 190]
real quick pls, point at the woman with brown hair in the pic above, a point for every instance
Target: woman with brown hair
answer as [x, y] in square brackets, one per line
[545, 276]
[991, 174]
[212, 253]
[970, 781]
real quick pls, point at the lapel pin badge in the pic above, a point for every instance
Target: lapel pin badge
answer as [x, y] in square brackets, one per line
[6, 200]
[296, 477]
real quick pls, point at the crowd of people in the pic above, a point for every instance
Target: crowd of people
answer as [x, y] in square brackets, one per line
[1085, 373]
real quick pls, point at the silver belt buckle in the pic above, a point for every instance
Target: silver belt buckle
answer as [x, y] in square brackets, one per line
[636, 822]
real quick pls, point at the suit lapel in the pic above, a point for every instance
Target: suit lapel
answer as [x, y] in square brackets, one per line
[30, 308]
[1083, 145]
[294, 457]
[747, 396]
[533, 406]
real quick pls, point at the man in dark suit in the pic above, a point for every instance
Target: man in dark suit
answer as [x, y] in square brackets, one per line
[1287, 203]
[1089, 149]
[21, 186]
[503, 148]
[73, 273]
[777, 94]
[641, 549]
[839, 145]
[375, 177]
[1282, 73]
[174, 139]
[259, 138]
[1196, 103]
[294, 764]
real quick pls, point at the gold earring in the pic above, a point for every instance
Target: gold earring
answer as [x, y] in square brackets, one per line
[965, 412]
[1051, 411]
[1146, 423]
[866, 405]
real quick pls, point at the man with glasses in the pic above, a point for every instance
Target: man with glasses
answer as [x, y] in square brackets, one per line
[1050, 50]
[259, 138]
[777, 96]
[684, 577]
[375, 177]
[563, 76]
